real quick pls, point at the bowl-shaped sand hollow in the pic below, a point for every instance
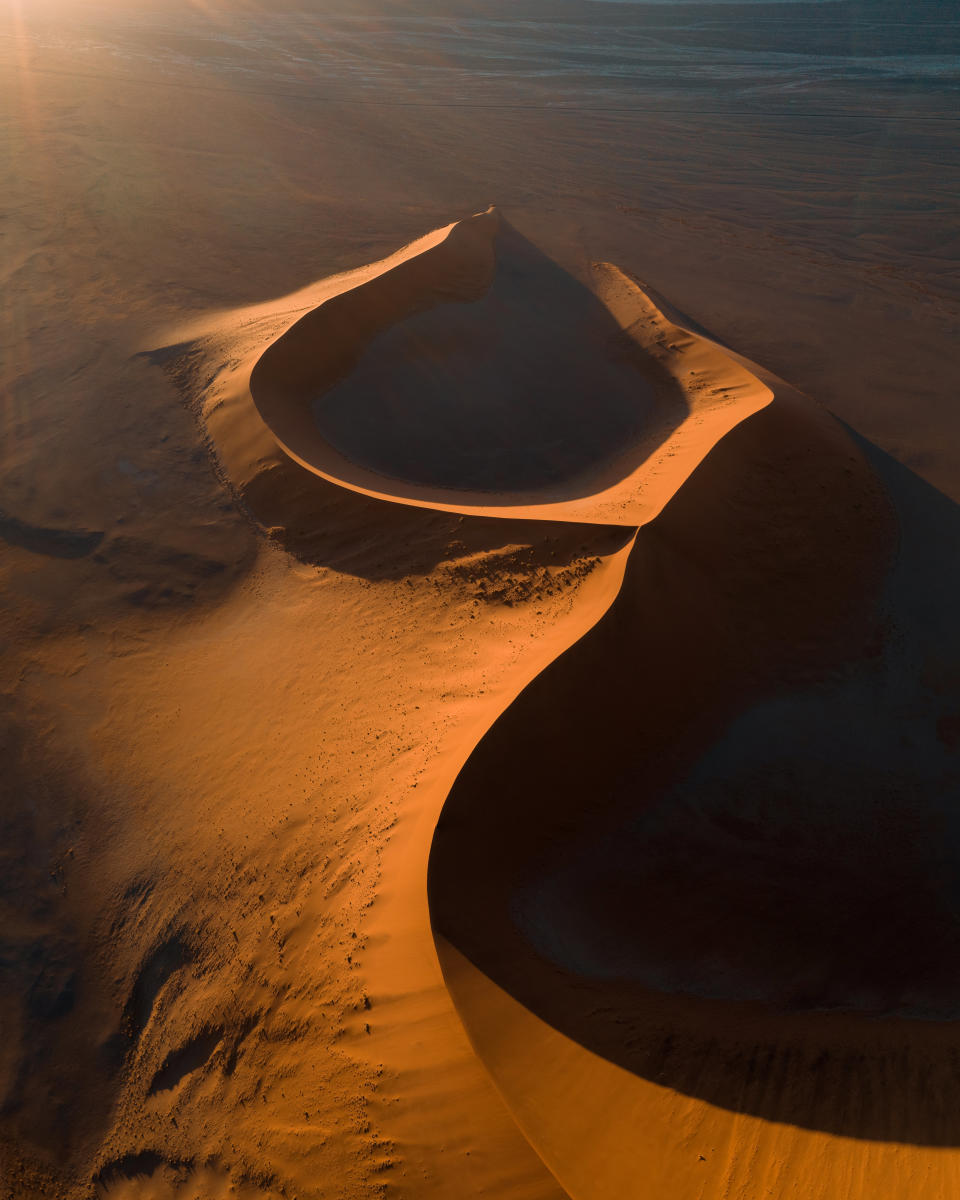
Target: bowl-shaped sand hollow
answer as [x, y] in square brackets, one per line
[470, 371]
[475, 364]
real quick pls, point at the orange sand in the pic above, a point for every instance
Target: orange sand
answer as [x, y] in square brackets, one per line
[240, 684]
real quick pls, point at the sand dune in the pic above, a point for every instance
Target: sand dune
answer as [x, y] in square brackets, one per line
[641, 942]
[581, 790]
[717, 954]
[234, 695]
[662, 915]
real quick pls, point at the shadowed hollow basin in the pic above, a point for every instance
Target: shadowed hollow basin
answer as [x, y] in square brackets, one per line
[432, 402]
[477, 365]
[470, 372]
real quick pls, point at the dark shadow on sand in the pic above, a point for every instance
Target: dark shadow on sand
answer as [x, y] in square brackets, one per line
[326, 525]
[41, 539]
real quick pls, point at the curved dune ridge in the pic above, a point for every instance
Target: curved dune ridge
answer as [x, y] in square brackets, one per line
[473, 374]
[693, 891]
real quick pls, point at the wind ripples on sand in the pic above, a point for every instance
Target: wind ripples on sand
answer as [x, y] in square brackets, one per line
[676, 53]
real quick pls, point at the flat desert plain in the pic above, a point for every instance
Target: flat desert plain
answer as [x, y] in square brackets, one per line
[479, 558]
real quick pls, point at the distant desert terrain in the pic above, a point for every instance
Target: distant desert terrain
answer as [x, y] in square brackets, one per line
[479, 555]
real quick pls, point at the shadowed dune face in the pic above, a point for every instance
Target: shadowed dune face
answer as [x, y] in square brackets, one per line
[474, 365]
[528, 387]
[724, 822]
